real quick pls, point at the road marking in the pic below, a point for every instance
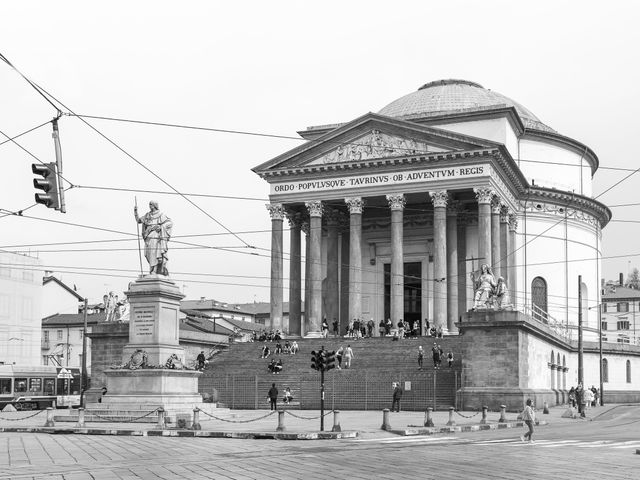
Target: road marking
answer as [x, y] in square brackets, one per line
[413, 439]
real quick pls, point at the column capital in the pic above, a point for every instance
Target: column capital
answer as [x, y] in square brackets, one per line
[439, 198]
[504, 214]
[276, 211]
[513, 222]
[496, 205]
[484, 194]
[295, 218]
[355, 204]
[315, 208]
[396, 201]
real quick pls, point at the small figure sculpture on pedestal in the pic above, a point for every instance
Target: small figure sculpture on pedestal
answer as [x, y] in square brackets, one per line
[484, 285]
[156, 232]
[502, 299]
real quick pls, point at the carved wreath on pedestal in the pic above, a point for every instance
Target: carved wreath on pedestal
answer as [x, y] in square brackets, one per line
[137, 360]
[174, 363]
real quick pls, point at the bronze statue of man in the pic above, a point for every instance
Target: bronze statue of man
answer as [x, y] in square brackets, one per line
[156, 232]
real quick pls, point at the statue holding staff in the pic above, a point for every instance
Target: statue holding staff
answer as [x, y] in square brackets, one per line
[485, 285]
[156, 232]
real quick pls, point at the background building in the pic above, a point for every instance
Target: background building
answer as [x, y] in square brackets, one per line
[20, 309]
[620, 314]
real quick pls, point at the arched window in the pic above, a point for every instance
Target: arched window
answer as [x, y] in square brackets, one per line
[553, 358]
[558, 361]
[628, 371]
[605, 370]
[539, 298]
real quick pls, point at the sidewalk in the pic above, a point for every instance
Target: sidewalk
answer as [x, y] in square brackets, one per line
[298, 424]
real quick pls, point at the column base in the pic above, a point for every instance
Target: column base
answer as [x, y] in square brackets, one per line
[313, 335]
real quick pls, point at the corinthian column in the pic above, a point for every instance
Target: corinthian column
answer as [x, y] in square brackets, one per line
[396, 203]
[331, 295]
[304, 326]
[314, 322]
[295, 274]
[513, 274]
[452, 265]
[355, 205]
[496, 254]
[505, 249]
[440, 200]
[484, 196]
[277, 215]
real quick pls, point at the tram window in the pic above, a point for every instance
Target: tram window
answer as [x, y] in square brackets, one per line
[35, 385]
[5, 386]
[49, 386]
[21, 385]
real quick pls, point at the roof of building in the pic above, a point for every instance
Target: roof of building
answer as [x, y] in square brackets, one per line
[51, 278]
[211, 304]
[264, 308]
[449, 96]
[616, 292]
[60, 319]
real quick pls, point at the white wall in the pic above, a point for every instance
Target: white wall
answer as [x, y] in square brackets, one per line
[569, 176]
[20, 309]
[494, 129]
[57, 300]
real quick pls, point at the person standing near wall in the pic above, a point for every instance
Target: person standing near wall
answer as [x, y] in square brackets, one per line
[273, 396]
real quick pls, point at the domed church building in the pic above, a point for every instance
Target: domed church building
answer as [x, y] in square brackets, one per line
[453, 205]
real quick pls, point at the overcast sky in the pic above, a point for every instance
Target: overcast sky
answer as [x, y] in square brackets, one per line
[276, 67]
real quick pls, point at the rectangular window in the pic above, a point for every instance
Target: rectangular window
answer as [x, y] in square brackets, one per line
[49, 386]
[80, 333]
[5, 386]
[46, 336]
[26, 308]
[604, 325]
[604, 308]
[27, 275]
[4, 305]
[59, 336]
[20, 385]
[623, 325]
[35, 385]
[623, 307]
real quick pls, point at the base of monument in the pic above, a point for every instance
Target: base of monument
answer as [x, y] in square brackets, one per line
[156, 355]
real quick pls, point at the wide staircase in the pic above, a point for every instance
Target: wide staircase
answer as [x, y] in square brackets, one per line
[240, 378]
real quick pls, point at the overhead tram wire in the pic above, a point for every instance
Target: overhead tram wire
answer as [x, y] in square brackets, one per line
[48, 96]
[160, 192]
[10, 139]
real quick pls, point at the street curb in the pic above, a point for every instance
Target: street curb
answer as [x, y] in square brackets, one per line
[186, 433]
[420, 430]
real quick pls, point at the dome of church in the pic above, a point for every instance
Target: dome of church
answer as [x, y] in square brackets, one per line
[452, 96]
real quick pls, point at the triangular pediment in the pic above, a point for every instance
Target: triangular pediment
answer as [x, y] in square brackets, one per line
[376, 144]
[371, 137]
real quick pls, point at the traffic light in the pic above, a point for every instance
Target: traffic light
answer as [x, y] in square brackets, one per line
[48, 183]
[316, 360]
[329, 361]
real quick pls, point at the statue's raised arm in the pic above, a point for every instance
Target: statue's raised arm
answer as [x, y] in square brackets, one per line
[156, 232]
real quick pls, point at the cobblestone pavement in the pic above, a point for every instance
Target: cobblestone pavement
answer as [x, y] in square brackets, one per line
[604, 448]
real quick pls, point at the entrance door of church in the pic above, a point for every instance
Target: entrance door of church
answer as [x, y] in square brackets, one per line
[412, 293]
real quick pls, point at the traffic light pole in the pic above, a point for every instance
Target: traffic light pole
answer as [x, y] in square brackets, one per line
[322, 400]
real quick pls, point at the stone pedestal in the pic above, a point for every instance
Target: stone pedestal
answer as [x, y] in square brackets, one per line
[145, 382]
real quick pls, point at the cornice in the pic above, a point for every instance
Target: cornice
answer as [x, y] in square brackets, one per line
[576, 205]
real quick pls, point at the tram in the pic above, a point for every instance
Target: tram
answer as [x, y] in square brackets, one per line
[39, 387]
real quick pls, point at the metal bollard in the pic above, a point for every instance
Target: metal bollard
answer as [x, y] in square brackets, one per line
[49, 422]
[336, 421]
[451, 421]
[196, 420]
[503, 418]
[484, 415]
[545, 410]
[281, 427]
[161, 413]
[385, 420]
[80, 423]
[428, 421]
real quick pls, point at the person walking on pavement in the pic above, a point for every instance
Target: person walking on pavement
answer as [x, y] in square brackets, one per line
[325, 328]
[339, 354]
[397, 395]
[450, 358]
[529, 416]
[435, 351]
[273, 396]
[420, 357]
[348, 355]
